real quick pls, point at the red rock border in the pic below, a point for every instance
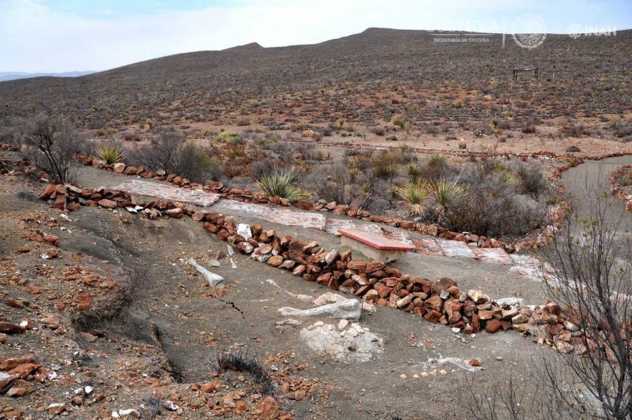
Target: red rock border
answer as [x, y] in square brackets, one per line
[436, 301]
[617, 189]
[533, 240]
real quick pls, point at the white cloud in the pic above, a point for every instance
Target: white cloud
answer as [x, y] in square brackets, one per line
[38, 38]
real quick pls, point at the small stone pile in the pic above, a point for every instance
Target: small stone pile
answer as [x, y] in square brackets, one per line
[69, 197]
[374, 282]
[17, 375]
[617, 189]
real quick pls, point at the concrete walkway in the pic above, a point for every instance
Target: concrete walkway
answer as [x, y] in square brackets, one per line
[306, 221]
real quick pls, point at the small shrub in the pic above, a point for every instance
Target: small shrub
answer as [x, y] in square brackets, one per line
[263, 168]
[622, 129]
[485, 213]
[161, 153]
[529, 127]
[575, 130]
[194, 163]
[282, 184]
[414, 194]
[437, 167]
[384, 165]
[110, 154]
[378, 131]
[240, 362]
[169, 152]
[532, 180]
[227, 137]
[51, 143]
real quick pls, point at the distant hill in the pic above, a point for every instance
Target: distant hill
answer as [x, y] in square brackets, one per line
[589, 74]
[6, 76]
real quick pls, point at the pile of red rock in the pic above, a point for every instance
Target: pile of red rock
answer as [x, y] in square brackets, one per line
[617, 189]
[17, 374]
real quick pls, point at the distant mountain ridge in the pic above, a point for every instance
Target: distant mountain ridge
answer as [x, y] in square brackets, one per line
[591, 71]
[6, 76]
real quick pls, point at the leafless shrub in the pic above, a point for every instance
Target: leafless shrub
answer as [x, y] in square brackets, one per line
[263, 168]
[51, 143]
[529, 127]
[332, 183]
[161, 153]
[168, 151]
[622, 130]
[575, 130]
[514, 399]
[242, 362]
[532, 180]
[591, 258]
[194, 163]
[435, 168]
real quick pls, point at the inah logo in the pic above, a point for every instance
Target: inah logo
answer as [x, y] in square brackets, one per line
[529, 41]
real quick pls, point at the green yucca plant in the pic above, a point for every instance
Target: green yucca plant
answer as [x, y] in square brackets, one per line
[414, 194]
[282, 184]
[444, 191]
[110, 154]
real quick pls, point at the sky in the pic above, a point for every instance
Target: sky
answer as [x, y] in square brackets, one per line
[76, 35]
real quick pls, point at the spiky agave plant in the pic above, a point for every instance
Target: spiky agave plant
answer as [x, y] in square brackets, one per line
[282, 184]
[414, 194]
[110, 154]
[444, 192]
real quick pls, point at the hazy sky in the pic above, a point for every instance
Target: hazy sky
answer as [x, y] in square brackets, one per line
[66, 35]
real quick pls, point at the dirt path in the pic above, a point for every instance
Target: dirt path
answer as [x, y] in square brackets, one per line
[591, 177]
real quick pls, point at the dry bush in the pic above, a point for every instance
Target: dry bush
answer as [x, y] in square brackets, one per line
[491, 199]
[169, 152]
[242, 362]
[434, 169]
[161, 153]
[622, 130]
[511, 399]
[264, 167]
[529, 127]
[532, 180]
[51, 142]
[9, 132]
[385, 164]
[591, 260]
[345, 183]
[491, 210]
[194, 163]
[575, 130]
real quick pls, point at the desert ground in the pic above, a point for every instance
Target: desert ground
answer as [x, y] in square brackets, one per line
[246, 165]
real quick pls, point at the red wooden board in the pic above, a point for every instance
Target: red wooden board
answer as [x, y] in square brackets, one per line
[376, 241]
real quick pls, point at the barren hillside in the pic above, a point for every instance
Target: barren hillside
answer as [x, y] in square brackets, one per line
[579, 76]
